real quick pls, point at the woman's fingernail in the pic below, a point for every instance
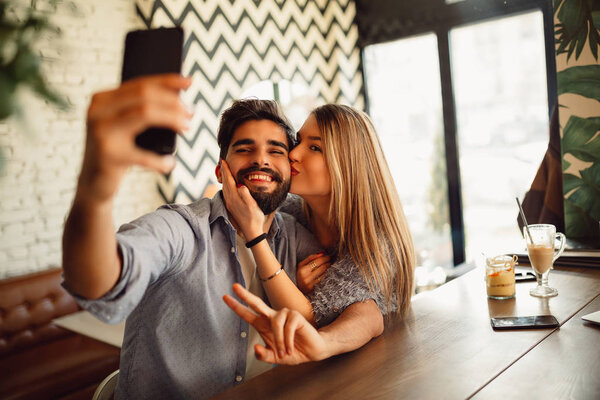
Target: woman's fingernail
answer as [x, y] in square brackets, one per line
[280, 354]
[239, 185]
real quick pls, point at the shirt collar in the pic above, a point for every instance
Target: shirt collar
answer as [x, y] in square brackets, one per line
[217, 208]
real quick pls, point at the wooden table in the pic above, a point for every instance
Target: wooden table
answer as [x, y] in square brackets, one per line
[446, 348]
[566, 365]
[86, 324]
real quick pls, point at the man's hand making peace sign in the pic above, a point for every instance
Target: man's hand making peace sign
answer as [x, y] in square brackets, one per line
[289, 337]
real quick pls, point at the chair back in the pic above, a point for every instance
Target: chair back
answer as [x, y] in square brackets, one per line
[106, 389]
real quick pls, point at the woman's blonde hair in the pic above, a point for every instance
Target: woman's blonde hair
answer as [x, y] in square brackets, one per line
[365, 207]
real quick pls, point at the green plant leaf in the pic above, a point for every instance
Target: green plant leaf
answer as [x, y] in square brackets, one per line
[6, 33]
[572, 15]
[571, 182]
[584, 198]
[594, 40]
[573, 21]
[3, 160]
[582, 36]
[577, 25]
[582, 80]
[578, 223]
[40, 87]
[26, 65]
[577, 138]
[596, 19]
[590, 191]
[582, 208]
[7, 94]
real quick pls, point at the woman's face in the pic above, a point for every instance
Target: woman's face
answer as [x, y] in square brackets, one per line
[310, 176]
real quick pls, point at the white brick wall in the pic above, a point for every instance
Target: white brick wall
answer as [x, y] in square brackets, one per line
[38, 183]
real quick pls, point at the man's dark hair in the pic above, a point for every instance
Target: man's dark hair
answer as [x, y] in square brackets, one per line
[242, 111]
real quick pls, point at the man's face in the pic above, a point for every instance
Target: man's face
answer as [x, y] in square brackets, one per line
[258, 158]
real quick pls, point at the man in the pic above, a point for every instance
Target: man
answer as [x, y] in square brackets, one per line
[166, 271]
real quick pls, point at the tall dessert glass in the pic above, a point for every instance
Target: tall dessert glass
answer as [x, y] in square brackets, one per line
[542, 254]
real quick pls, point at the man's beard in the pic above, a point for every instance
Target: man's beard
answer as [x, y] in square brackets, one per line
[267, 202]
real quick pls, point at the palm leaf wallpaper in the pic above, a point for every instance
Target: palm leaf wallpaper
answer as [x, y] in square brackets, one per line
[577, 34]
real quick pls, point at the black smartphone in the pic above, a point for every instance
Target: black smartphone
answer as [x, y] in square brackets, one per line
[534, 322]
[524, 276]
[150, 52]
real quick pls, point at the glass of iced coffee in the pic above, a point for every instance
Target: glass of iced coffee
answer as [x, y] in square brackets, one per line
[542, 254]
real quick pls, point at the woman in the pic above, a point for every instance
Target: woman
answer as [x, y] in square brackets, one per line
[350, 203]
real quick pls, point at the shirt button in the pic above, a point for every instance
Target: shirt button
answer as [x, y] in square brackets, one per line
[233, 249]
[238, 378]
[335, 309]
[243, 334]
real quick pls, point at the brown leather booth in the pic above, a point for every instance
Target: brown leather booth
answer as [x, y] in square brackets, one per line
[39, 360]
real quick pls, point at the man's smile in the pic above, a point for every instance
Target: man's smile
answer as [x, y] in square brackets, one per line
[258, 178]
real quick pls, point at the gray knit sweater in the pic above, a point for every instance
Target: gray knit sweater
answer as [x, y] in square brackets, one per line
[343, 283]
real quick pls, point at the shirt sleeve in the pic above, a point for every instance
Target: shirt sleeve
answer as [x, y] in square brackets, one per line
[293, 206]
[151, 246]
[342, 286]
[306, 243]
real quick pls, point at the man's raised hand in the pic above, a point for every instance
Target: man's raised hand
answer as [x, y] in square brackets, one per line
[116, 117]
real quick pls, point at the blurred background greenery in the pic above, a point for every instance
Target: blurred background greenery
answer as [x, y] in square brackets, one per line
[22, 28]
[578, 25]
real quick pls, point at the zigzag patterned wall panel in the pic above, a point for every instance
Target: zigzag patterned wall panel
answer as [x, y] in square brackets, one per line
[232, 45]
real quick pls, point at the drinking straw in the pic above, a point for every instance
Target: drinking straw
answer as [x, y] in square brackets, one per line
[524, 219]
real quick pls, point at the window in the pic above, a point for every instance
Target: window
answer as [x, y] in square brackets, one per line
[495, 61]
[406, 107]
[499, 76]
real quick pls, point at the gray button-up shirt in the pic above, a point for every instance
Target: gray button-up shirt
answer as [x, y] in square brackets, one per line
[181, 339]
